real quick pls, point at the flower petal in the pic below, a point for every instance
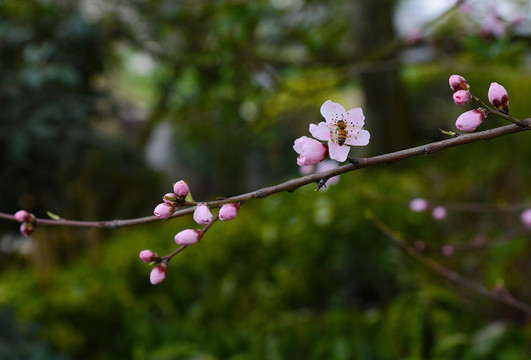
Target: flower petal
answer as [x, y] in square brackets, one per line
[337, 152]
[355, 117]
[360, 139]
[330, 108]
[320, 131]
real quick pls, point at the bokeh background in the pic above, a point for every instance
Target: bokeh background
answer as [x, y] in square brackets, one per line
[103, 104]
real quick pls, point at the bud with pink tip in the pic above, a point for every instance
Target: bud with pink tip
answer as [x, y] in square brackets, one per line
[310, 151]
[23, 215]
[525, 217]
[462, 97]
[170, 198]
[470, 120]
[228, 211]
[188, 237]
[419, 205]
[447, 250]
[419, 245]
[147, 256]
[26, 228]
[498, 97]
[202, 214]
[180, 189]
[457, 82]
[158, 273]
[164, 211]
[439, 213]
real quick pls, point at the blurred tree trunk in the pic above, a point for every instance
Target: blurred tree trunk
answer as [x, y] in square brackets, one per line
[386, 110]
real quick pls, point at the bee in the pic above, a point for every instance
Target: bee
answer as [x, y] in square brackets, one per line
[339, 135]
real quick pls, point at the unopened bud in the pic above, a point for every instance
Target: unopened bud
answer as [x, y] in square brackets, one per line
[202, 214]
[462, 97]
[498, 97]
[170, 198]
[457, 82]
[24, 216]
[147, 256]
[158, 273]
[164, 211]
[419, 205]
[188, 237]
[26, 228]
[228, 211]
[180, 189]
[470, 120]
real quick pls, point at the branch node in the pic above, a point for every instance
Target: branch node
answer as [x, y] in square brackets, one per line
[259, 194]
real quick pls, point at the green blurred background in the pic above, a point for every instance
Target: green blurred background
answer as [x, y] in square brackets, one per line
[103, 104]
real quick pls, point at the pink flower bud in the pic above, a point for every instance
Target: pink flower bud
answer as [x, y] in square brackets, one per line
[188, 237]
[202, 214]
[439, 213]
[419, 245]
[170, 198]
[147, 256]
[525, 217]
[470, 120]
[418, 205]
[498, 97]
[180, 189]
[457, 82]
[26, 228]
[23, 215]
[158, 273]
[228, 211]
[164, 211]
[462, 97]
[310, 151]
[447, 250]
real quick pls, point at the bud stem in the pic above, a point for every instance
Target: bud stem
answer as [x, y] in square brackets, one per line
[497, 112]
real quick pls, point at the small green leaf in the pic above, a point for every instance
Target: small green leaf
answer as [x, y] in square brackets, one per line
[189, 197]
[52, 216]
[449, 133]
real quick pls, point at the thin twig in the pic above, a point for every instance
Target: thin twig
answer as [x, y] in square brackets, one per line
[500, 295]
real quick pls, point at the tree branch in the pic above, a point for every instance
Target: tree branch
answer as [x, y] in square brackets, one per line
[293, 184]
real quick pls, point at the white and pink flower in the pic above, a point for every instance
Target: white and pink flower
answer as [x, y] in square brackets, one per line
[340, 125]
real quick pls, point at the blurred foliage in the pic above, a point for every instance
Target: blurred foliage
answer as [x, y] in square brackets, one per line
[51, 154]
[85, 85]
[319, 282]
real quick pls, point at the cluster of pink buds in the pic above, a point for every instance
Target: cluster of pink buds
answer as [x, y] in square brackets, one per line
[470, 120]
[421, 205]
[187, 237]
[28, 222]
[172, 200]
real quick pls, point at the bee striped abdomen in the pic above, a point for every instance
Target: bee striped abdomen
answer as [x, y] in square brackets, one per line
[340, 133]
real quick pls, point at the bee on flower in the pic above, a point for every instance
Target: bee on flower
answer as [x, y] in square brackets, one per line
[341, 129]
